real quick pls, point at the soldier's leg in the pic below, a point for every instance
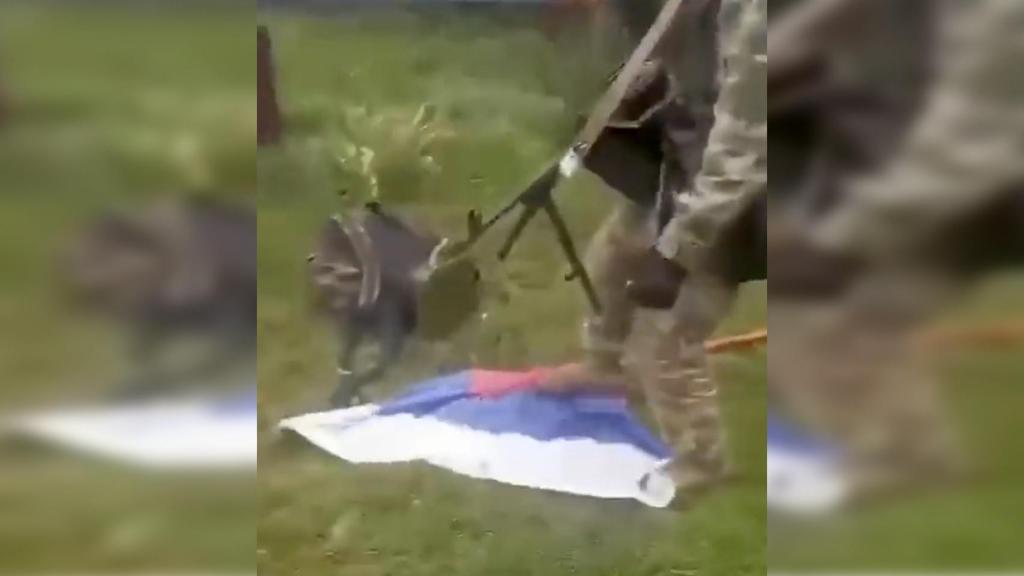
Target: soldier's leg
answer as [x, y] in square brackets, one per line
[679, 386]
[905, 436]
[903, 433]
[852, 372]
[614, 247]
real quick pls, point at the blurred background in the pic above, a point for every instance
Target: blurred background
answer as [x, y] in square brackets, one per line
[112, 116]
[896, 295]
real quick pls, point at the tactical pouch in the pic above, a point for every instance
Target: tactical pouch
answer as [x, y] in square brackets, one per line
[628, 155]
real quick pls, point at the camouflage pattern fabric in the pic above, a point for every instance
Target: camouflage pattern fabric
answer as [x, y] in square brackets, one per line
[852, 371]
[681, 390]
[676, 379]
[735, 162]
[965, 147]
[848, 368]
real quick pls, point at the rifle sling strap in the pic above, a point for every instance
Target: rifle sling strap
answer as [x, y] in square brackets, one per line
[609, 102]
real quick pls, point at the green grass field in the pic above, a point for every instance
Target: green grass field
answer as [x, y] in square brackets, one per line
[501, 99]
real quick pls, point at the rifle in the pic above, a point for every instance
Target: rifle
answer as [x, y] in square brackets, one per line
[537, 196]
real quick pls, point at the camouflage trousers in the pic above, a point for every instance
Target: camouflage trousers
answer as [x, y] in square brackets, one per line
[854, 371]
[671, 363]
[676, 379]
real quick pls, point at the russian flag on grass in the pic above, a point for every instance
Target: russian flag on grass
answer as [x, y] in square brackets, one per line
[499, 426]
[496, 425]
[200, 433]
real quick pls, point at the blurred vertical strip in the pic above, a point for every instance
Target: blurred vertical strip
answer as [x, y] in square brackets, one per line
[897, 218]
[120, 118]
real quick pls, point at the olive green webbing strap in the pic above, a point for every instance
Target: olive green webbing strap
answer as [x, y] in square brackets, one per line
[605, 108]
